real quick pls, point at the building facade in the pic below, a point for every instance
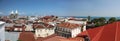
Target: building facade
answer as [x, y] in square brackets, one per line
[79, 22]
[68, 30]
[2, 31]
[13, 15]
[43, 30]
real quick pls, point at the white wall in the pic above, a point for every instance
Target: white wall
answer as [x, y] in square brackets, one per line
[76, 31]
[44, 32]
[2, 31]
[77, 22]
[29, 27]
[84, 28]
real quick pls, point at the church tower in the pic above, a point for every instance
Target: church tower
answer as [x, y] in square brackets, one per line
[16, 14]
[13, 15]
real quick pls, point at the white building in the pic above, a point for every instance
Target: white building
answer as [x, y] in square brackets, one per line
[19, 27]
[29, 27]
[14, 14]
[79, 22]
[68, 29]
[2, 31]
[44, 30]
[32, 18]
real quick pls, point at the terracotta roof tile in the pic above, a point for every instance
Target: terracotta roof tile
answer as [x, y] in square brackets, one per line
[59, 38]
[38, 25]
[26, 36]
[69, 25]
[42, 39]
[109, 32]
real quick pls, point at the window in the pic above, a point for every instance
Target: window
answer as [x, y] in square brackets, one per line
[62, 29]
[40, 30]
[56, 27]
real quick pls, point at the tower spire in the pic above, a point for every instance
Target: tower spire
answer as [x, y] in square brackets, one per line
[12, 12]
[16, 11]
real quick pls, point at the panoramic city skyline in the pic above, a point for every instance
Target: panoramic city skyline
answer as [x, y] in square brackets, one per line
[59, 20]
[61, 7]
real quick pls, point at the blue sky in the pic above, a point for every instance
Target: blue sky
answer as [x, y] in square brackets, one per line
[62, 7]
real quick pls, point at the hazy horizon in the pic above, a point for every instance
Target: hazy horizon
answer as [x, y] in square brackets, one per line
[103, 8]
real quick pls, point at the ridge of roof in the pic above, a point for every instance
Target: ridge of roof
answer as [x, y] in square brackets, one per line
[109, 32]
[69, 25]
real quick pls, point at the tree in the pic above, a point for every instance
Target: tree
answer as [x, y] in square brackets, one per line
[0, 17]
[89, 18]
[99, 21]
[118, 19]
[95, 20]
[97, 24]
[112, 19]
[18, 40]
[102, 19]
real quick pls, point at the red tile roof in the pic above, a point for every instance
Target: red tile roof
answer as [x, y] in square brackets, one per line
[21, 21]
[110, 32]
[47, 17]
[29, 36]
[42, 39]
[54, 37]
[38, 25]
[69, 25]
[26, 36]
[15, 27]
[59, 38]
[77, 39]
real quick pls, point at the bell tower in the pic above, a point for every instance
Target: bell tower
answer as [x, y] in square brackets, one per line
[13, 14]
[16, 13]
